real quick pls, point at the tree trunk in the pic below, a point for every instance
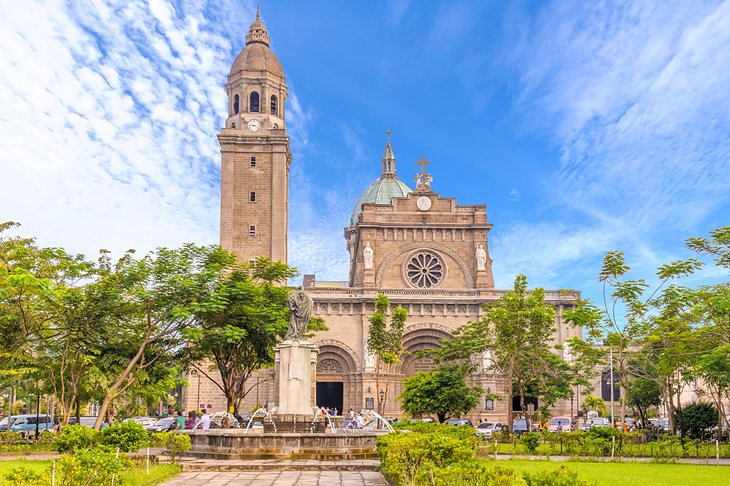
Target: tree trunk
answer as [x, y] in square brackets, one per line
[510, 408]
[113, 391]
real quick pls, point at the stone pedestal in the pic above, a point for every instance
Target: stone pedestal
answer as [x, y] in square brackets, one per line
[296, 361]
[482, 280]
[368, 278]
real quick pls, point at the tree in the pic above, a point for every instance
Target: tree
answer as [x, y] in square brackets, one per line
[594, 403]
[155, 298]
[718, 246]
[711, 313]
[442, 392]
[32, 279]
[240, 322]
[521, 326]
[625, 336]
[643, 393]
[385, 341]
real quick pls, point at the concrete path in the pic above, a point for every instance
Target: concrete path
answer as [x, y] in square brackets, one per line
[279, 478]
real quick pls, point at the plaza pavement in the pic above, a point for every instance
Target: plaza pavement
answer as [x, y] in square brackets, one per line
[279, 478]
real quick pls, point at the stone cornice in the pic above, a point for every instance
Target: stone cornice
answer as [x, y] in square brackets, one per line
[367, 295]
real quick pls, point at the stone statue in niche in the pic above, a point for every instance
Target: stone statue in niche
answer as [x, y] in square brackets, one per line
[367, 255]
[369, 358]
[567, 354]
[301, 306]
[481, 255]
[487, 360]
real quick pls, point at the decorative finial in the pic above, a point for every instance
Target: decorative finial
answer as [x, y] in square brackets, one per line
[258, 11]
[423, 180]
[388, 134]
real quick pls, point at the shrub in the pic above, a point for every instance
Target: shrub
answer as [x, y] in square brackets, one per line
[668, 447]
[11, 438]
[403, 455]
[24, 476]
[530, 440]
[473, 473]
[563, 476]
[75, 437]
[698, 417]
[175, 444]
[88, 466]
[128, 436]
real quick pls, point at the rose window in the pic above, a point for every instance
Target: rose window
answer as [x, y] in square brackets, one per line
[424, 270]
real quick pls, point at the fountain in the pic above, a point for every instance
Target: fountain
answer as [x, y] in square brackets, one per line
[262, 412]
[322, 412]
[295, 434]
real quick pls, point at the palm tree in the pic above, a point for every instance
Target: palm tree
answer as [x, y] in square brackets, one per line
[594, 403]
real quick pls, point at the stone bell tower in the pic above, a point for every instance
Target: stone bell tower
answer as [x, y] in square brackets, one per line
[255, 153]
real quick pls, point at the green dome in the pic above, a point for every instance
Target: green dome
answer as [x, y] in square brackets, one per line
[380, 192]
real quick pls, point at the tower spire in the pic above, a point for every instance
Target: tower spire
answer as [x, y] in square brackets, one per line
[257, 31]
[388, 158]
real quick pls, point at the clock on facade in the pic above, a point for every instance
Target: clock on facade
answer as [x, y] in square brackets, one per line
[423, 203]
[253, 125]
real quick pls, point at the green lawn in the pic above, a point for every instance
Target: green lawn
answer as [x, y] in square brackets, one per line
[632, 473]
[136, 476]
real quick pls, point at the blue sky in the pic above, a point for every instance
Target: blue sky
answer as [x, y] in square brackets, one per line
[584, 126]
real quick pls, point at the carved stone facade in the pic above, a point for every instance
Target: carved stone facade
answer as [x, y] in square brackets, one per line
[426, 253]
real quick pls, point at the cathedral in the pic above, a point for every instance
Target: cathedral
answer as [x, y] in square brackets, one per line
[426, 252]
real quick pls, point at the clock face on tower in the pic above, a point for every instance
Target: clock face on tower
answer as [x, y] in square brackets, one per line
[423, 203]
[253, 125]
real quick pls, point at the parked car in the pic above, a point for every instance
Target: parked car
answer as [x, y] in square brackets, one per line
[167, 423]
[86, 421]
[27, 423]
[487, 429]
[596, 422]
[560, 424]
[460, 422]
[147, 422]
[519, 426]
[660, 423]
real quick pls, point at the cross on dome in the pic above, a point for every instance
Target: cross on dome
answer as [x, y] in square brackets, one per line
[423, 180]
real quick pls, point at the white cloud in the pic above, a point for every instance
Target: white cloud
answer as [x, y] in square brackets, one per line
[637, 97]
[108, 119]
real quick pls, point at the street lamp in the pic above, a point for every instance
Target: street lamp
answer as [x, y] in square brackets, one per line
[382, 398]
[37, 408]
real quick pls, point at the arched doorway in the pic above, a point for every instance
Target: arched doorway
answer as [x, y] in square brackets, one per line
[330, 393]
[417, 338]
[337, 376]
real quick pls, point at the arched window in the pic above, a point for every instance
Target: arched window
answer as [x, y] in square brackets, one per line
[254, 102]
[274, 105]
[233, 125]
[236, 104]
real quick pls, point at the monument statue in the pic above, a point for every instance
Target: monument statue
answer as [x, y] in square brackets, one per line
[300, 305]
[367, 255]
[481, 257]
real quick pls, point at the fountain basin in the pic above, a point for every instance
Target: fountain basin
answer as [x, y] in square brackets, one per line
[239, 444]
